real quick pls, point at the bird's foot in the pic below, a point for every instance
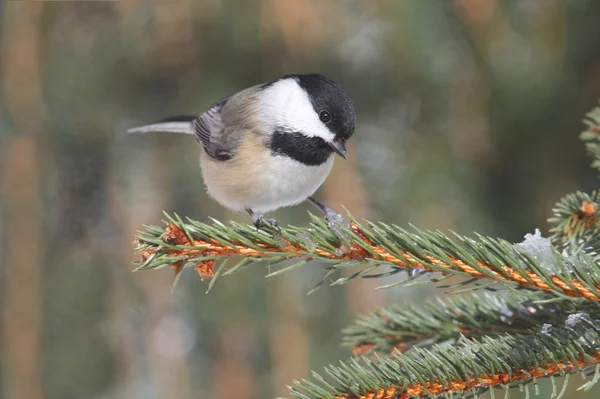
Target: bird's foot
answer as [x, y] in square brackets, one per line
[259, 221]
[337, 223]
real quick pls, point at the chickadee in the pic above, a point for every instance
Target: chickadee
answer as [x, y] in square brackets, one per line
[270, 145]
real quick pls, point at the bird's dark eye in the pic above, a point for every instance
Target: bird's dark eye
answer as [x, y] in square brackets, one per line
[324, 116]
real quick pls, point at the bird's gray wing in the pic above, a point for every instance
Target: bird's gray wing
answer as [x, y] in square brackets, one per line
[209, 128]
[221, 128]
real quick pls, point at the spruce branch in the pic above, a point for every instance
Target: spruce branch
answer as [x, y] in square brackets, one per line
[591, 135]
[473, 365]
[448, 320]
[576, 223]
[199, 245]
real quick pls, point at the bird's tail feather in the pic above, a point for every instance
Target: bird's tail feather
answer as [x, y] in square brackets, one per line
[176, 124]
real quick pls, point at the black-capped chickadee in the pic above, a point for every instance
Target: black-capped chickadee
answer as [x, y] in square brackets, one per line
[271, 145]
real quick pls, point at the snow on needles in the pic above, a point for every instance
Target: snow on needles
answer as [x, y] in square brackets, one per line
[547, 329]
[575, 318]
[540, 248]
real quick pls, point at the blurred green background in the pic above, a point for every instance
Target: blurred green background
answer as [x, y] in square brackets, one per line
[468, 119]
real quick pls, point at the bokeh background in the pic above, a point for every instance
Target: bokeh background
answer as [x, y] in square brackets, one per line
[468, 119]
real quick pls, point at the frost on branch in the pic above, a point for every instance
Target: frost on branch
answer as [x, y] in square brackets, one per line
[540, 248]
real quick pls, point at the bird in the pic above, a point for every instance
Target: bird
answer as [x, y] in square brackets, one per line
[271, 145]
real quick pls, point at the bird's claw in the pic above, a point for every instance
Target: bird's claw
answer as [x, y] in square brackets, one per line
[337, 223]
[273, 223]
[260, 221]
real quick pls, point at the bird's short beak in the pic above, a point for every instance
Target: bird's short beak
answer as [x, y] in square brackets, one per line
[339, 147]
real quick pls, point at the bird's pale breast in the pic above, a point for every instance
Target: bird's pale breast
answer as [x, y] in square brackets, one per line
[256, 179]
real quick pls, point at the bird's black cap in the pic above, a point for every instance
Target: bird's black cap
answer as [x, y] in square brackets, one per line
[327, 95]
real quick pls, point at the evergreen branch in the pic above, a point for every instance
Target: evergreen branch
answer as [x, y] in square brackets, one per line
[576, 217]
[591, 135]
[576, 223]
[475, 365]
[447, 320]
[200, 245]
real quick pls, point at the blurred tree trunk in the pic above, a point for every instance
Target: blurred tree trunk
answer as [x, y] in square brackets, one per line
[22, 285]
[233, 377]
[288, 335]
[151, 330]
[22, 282]
[168, 371]
[174, 29]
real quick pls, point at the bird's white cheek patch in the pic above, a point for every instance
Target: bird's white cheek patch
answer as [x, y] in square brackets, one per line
[287, 105]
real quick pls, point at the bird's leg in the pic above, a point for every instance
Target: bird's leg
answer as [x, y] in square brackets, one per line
[333, 218]
[259, 220]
